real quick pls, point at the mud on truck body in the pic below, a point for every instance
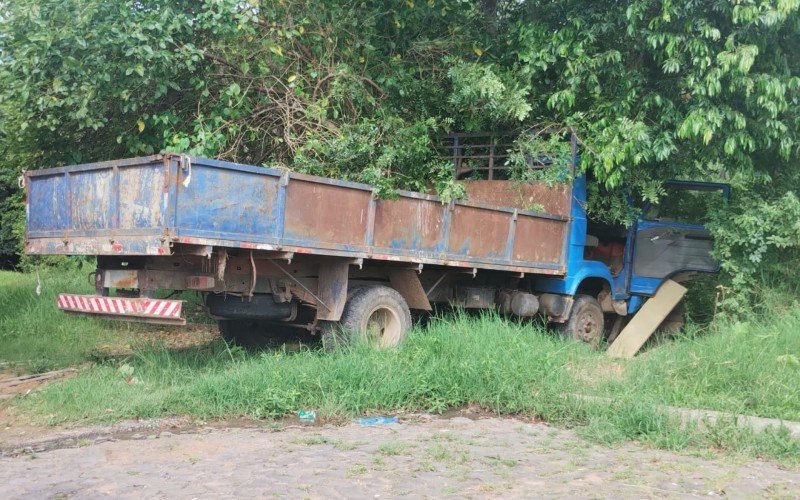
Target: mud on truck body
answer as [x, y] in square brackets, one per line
[270, 249]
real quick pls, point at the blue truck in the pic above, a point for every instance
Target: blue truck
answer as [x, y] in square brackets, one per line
[271, 250]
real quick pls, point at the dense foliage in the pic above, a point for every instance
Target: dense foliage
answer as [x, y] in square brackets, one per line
[702, 89]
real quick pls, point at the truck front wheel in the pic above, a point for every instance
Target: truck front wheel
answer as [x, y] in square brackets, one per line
[377, 315]
[586, 321]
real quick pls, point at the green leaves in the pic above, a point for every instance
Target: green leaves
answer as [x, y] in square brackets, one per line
[654, 89]
[139, 69]
[84, 67]
[488, 95]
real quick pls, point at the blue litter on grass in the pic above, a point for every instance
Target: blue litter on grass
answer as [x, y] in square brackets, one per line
[307, 415]
[378, 421]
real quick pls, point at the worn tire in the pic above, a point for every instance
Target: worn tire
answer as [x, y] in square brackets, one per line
[586, 321]
[251, 334]
[375, 314]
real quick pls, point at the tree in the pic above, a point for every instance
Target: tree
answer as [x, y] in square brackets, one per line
[656, 89]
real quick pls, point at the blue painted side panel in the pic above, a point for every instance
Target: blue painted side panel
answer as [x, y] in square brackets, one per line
[234, 203]
[141, 207]
[48, 198]
[123, 197]
[92, 200]
[578, 268]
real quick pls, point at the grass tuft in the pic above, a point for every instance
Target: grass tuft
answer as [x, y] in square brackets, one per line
[35, 336]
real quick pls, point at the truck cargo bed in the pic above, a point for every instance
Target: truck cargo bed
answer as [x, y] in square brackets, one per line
[144, 206]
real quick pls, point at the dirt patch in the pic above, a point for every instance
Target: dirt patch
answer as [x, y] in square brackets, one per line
[171, 337]
[12, 384]
[21, 438]
[14, 427]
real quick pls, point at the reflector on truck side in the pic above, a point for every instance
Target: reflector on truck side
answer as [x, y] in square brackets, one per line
[139, 309]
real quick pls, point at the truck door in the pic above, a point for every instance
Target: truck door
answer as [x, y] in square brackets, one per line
[671, 236]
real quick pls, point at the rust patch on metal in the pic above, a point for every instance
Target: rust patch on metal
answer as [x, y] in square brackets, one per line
[407, 283]
[409, 224]
[538, 240]
[478, 232]
[325, 213]
[522, 195]
[87, 245]
[121, 279]
[200, 283]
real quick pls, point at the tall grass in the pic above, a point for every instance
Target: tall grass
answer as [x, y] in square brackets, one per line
[500, 365]
[503, 366]
[750, 368]
[34, 334]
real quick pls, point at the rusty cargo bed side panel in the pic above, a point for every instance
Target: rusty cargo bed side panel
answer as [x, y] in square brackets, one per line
[144, 205]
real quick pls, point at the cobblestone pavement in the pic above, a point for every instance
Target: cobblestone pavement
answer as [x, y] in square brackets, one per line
[428, 457]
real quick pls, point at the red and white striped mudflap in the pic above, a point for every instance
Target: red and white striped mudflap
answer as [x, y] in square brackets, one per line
[133, 309]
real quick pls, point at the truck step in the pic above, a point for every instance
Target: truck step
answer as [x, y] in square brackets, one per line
[147, 310]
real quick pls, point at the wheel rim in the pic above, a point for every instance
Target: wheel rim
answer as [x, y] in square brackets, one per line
[384, 328]
[588, 327]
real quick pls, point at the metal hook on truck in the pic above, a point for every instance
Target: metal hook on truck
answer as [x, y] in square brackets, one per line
[269, 248]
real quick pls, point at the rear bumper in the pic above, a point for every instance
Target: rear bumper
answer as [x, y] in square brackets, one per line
[161, 311]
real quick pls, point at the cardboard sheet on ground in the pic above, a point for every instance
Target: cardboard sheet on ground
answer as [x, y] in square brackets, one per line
[645, 322]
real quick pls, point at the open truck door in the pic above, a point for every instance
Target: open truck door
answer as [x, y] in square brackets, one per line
[671, 237]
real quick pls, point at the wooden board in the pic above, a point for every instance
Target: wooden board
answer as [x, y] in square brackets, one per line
[645, 322]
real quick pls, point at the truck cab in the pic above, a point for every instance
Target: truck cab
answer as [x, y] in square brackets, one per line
[615, 266]
[624, 266]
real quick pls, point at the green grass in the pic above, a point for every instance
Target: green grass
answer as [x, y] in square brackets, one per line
[748, 368]
[34, 335]
[394, 449]
[500, 365]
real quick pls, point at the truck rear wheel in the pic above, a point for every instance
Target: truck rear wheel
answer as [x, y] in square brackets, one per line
[377, 315]
[586, 321]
